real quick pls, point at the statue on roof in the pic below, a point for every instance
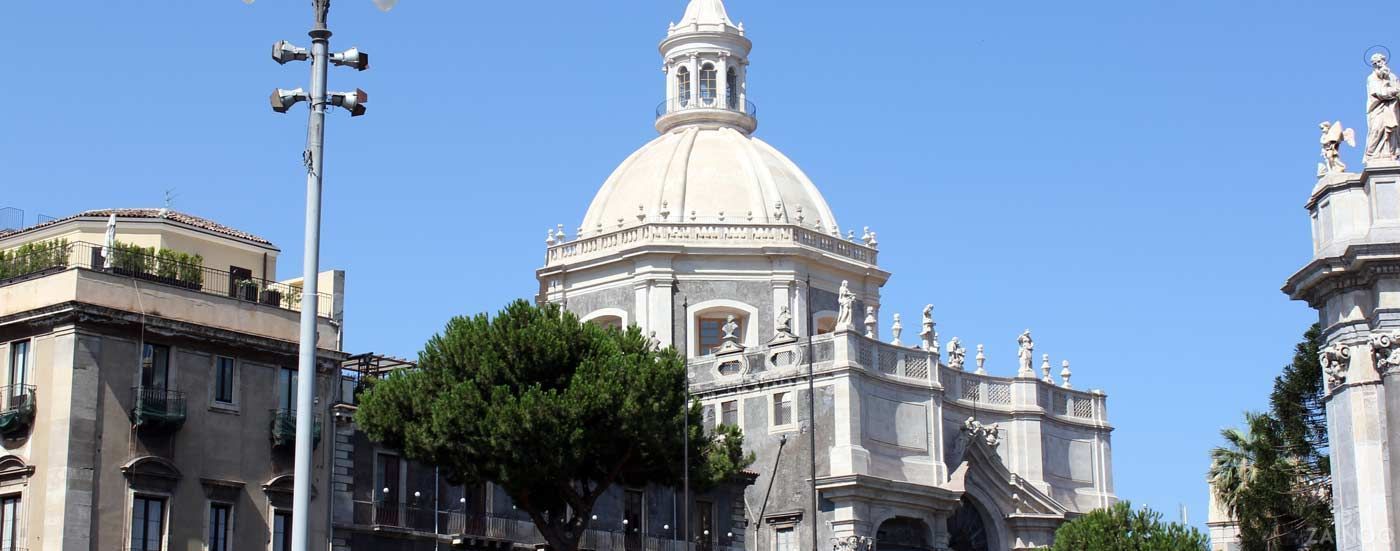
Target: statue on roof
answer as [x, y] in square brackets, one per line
[1026, 354]
[957, 355]
[1382, 111]
[847, 301]
[1333, 134]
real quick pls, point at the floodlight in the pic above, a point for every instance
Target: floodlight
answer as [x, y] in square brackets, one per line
[282, 99]
[351, 58]
[284, 51]
[354, 102]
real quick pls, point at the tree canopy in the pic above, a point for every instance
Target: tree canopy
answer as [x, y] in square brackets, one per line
[1273, 476]
[552, 410]
[1122, 528]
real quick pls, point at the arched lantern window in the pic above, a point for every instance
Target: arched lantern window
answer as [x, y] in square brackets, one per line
[731, 81]
[708, 84]
[683, 85]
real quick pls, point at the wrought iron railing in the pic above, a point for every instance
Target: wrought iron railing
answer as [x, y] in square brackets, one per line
[284, 429]
[17, 408]
[686, 103]
[157, 408]
[157, 269]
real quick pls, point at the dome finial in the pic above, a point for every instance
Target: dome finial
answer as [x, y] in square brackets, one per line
[705, 12]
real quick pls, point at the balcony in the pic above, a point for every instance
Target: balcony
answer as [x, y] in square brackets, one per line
[474, 529]
[16, 410]
[59, 256]
[157, 409]
[284, 429]
[688, 109]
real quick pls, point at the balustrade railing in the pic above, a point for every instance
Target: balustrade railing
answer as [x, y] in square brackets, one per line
[671, 233]
[704, 101]
[62, 256]
[157, 408]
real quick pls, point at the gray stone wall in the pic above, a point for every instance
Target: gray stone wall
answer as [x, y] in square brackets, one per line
[613, 297]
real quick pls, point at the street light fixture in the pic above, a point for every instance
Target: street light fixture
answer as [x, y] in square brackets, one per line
[284, 51]
[352, 58]
[283, 99]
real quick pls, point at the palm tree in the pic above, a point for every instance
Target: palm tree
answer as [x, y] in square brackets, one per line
[1234, 466]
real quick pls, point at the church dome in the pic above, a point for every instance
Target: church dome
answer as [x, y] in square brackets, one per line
[707, 174]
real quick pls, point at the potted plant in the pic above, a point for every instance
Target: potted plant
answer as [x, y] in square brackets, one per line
[271, 297]
[248, 290]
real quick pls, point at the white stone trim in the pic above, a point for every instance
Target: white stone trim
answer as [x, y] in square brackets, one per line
[693, 316]
[792, 426]
[603, 312]
[214, 403]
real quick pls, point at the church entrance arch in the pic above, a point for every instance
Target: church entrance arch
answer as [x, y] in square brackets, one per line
[967, 529]
[903, 534]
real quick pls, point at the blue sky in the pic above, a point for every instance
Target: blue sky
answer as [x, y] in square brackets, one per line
[1124, 178]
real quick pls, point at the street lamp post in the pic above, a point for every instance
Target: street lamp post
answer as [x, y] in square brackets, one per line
[312, 157]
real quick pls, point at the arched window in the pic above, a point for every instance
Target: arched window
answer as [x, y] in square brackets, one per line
[708, 84]
[825, 322]
[731, 81]
[683, 83]
[607, 322]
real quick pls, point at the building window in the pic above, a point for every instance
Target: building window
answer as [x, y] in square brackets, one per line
[782, 409]
[683, 85]
[826, 324]
[709, 330]
[704, 525]
[632, 507]
[147, 523]
[729, 413]
[708, 88]
[785, 540]
[281, 530]
[219, 516]
[10, 539]
[386, 482]
[287, 389]
[731, 85]
[19, 363]
[155, 366]
[607, 322]
[223, 380]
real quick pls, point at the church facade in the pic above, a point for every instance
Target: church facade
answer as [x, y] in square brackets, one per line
[712, 241]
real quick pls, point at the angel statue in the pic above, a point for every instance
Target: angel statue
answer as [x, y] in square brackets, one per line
[1333, 134]
[847, 301]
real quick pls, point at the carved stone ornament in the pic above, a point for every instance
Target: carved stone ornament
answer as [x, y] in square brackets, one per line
[957, 355]
[990, 435]
[1386, 348]
[871, 330]
[1333, 135]
[1335, 359]
[896, 329]
[783, 331]
[847, 301]
[853, 543]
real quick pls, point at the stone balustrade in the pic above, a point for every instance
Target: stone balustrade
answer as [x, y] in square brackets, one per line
[706, 234]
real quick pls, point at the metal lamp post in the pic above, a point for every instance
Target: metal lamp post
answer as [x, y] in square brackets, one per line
[282, 100]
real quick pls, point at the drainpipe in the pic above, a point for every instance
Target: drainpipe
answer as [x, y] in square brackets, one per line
[812, 410]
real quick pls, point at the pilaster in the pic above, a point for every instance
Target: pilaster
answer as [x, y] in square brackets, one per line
[1027, 457]
[847, 455]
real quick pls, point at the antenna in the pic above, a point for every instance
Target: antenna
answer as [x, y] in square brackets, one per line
[170, 196]
[1185, 519]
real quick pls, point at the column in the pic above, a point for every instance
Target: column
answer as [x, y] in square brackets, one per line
[781, 297]
[694, 79]
[722, 81]
[1357, 432]
[1027, 458]
[660, 314]
[743, 78]
[800, 309]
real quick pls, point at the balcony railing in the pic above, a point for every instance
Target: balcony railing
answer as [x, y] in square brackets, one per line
[17, 407]
[284, 429]
[157, 409]
[415, 516]
[687, 103]
[62, 256]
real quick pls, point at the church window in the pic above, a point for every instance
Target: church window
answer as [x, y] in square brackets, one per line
[782, 409]
[607, 322]
[708, 82]
[709, 330]
[731, 81]
[729, 413]
[786, 540]
[683, 86]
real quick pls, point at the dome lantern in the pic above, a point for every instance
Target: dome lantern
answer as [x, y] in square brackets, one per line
[706, 62]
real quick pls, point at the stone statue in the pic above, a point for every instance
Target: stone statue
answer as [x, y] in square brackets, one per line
[926, 334]
[1382, 114]
[1333, 134]
[871, 331]
[1026, 354]
[730, 326]
[783, 332]
[895, 329]
[847, 301]
[981, 361]
[989, 434]
[957, 355]
[654, 341]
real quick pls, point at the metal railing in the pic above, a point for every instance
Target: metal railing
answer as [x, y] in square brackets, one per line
[419, 516]
[686, 103]
[283, 429]
[165, 271]
[157, 407]
[16, 397]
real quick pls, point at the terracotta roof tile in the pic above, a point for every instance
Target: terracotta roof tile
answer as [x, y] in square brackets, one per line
[174, 216]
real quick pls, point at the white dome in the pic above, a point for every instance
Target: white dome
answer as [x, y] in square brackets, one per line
[707, 174]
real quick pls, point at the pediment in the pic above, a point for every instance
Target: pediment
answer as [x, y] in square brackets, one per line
[151, 473]
[982, 468]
